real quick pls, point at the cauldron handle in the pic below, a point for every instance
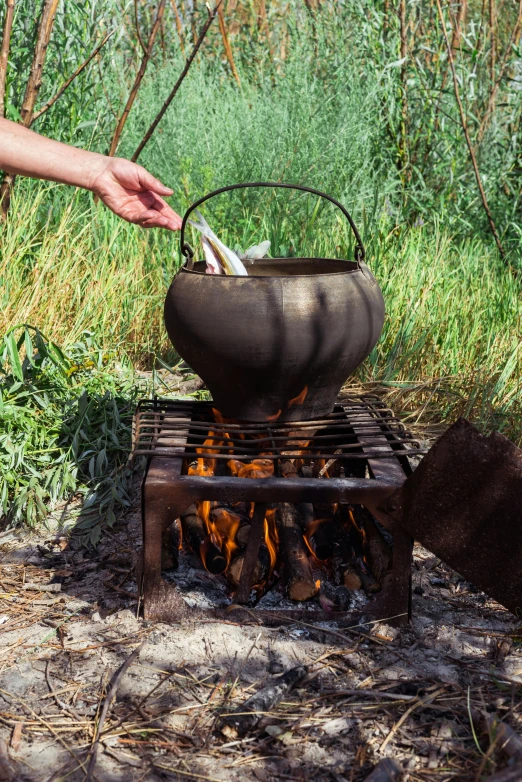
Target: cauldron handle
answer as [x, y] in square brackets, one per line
[188, 252]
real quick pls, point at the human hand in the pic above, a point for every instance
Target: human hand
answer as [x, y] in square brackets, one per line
[132, 193]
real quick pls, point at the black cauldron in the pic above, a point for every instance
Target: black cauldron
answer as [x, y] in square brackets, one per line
[279, 344]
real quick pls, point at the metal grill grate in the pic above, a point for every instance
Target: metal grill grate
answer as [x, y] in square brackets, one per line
[360, 427]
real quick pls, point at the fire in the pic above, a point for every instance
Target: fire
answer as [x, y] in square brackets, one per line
[310, 531]
[271, 539]
[258, 468]
[299, 399]
[295, 402]
[223, 527]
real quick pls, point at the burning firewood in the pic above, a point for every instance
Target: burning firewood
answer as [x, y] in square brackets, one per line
[380, 554]
[231, 524]
[248, 714]
[170, 546]
[260, 571]
[316, 532]
[298, 573]
[199, 541]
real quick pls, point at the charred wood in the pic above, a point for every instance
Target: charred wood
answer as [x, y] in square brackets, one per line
[369, 582]
[196, 535]
[505, 738]
[334, 598]
[261, 567]
[378, 551]
[249, 713]
[231, 524]
[255, 539]
[509, 774]
[318, 532]
[386, 770]
[297, 571]
[170, 546]
[351, 578]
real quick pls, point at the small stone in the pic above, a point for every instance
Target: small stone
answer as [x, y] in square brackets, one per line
[96, 617]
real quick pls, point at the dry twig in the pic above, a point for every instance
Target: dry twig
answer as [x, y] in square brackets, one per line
[113, 689]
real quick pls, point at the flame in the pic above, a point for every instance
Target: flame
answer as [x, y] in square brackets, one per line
[274, 417]
[271, 539]
[310, 531]
[299, 399]
[364, 539]
[223, 529]
[318, 583]
[257, 468]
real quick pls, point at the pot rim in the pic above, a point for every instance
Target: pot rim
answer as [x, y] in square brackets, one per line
[354, 270]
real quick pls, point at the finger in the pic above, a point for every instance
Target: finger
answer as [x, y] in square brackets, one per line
[149, 182]
[150, 218]
[167, 211]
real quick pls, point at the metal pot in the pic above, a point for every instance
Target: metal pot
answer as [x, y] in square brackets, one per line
[278, 344]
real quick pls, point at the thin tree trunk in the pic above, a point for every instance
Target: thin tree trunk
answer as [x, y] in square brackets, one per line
[137, 24]
[226, 44]
[137, 81]
[493, 39]
[385, 19]
[34, 83]
[459, 24]
[179, 26]
[493, 96]
[467, 136]
[403, 154]
[170, 98]
[4, 52]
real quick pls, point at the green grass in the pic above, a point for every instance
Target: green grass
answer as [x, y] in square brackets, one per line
[325, 115]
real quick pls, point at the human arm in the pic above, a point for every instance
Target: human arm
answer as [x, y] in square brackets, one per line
[126, 188]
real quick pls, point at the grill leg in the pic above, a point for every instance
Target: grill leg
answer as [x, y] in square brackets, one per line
[394, 602]
[161, 601]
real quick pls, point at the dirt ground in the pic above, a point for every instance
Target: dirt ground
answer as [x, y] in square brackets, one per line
[417, 695]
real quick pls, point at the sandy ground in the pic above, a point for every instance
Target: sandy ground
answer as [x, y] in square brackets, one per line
[371, 691]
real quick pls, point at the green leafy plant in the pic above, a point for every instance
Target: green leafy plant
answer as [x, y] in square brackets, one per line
[65, 421]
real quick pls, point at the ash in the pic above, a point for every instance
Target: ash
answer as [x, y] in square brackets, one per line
[205, 591]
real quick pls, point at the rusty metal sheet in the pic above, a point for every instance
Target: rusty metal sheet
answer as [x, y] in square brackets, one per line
[464, 503]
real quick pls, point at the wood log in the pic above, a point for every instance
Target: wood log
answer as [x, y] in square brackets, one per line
[377, 550]
[260, 570]
[297, 571]
[319, 535]
[386, 770]
[247, 715]
[199, 541]
[170, 546]
[255, 539]
[369, 582]
[505, 738]
[229, 523]
[351, 578]
[510, 774]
